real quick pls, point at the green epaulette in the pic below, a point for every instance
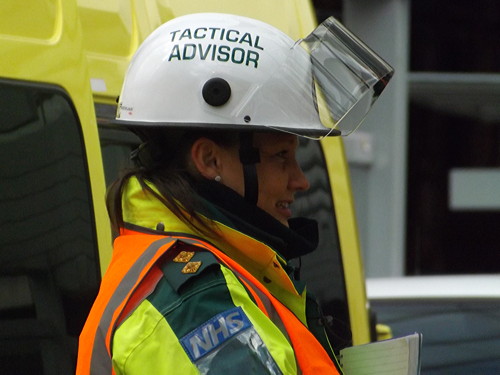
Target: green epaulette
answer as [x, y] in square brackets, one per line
[185, 262]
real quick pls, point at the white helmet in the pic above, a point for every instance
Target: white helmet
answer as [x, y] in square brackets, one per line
[230, 72]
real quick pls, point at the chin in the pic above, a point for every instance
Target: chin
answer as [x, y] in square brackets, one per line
[284, 222]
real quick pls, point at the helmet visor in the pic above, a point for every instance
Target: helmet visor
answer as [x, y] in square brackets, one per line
[347, 75]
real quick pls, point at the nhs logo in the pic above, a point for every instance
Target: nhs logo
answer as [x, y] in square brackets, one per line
[215, 332]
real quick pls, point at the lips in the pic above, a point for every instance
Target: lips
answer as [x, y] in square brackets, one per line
[284, 205]
[284, 209]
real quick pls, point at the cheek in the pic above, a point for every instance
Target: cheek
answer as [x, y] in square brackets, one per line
[272, 184]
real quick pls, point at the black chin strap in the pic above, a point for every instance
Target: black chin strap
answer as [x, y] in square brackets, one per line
[249, 156]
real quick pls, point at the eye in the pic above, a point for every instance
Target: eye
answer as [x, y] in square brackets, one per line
[282, 154]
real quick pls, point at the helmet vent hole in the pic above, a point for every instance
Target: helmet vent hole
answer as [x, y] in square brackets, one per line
[216, 92]
[247, 118]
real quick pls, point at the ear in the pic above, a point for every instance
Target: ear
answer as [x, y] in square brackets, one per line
[205, 155]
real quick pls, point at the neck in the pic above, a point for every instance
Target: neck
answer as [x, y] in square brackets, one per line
[232, 210]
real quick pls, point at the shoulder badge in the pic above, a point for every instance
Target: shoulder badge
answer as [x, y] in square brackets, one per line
[186, 261]
[192, 267]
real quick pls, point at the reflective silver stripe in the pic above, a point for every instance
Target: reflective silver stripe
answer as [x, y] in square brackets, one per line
[273, 314]
[101, 360]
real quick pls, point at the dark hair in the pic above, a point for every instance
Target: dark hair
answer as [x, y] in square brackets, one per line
[165, 164]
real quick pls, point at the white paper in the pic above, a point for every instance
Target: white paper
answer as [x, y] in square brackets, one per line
[398, 356]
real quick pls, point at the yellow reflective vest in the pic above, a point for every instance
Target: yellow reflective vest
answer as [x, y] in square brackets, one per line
[175, 304]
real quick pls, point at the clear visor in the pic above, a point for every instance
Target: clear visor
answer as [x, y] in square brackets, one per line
[347, 76]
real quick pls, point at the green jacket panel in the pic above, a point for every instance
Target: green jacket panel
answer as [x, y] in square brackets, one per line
[182, 304]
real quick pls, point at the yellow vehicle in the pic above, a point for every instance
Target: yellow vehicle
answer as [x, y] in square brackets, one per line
[53, 218]
[61, 71]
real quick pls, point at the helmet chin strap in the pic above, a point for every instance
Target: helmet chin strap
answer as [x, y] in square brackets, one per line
[249, 157]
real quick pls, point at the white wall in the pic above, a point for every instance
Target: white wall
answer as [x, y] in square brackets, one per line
[379, 175]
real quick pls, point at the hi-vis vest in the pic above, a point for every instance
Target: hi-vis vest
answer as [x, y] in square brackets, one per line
[125, 276]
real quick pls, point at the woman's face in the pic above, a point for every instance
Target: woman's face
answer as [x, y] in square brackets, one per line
[279, 174]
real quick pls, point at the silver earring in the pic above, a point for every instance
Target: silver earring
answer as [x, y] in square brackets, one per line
[217, 178]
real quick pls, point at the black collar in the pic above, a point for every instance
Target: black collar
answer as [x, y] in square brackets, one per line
[228, 207]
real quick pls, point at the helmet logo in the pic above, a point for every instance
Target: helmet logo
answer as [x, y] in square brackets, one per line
[124, 108]
[237, 48]
[216, 91]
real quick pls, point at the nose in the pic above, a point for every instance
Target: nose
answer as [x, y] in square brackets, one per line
[298, 180]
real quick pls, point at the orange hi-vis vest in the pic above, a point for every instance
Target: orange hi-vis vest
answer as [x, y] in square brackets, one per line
[129, 268]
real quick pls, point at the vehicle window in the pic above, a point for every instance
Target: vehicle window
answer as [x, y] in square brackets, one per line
[116, 143]
[459, 337]
[322, 269]
[49, 273]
